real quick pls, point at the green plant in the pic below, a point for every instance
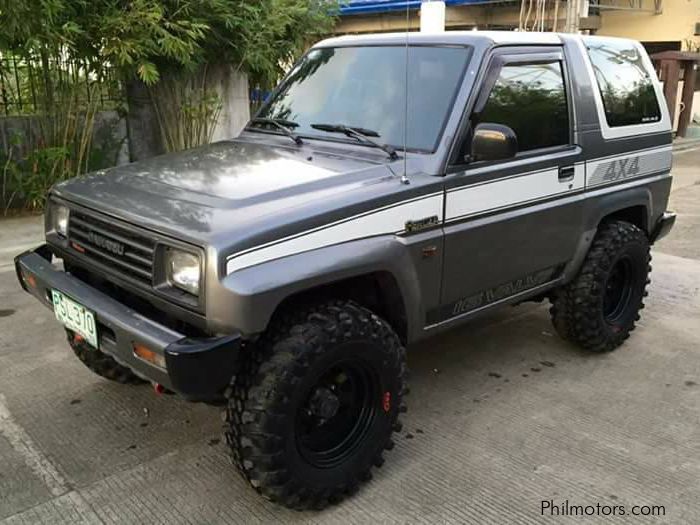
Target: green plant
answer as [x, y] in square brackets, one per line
[9, 173]
[187, 109]
[43, 168]
[57, 148]
[66, 48]
[149, 37]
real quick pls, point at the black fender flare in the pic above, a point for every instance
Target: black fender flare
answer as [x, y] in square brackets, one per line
[598, 207]
[257, 291]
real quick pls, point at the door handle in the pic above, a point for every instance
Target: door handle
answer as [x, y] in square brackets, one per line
[566, 173]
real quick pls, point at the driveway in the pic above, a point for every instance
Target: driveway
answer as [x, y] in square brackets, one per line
[503, 415]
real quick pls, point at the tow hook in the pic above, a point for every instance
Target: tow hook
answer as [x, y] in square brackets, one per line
[158, 389]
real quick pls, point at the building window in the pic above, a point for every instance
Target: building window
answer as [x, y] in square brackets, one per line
[625, 85]
[531, 100]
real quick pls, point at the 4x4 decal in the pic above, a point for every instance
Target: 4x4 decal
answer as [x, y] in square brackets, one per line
[621, 169]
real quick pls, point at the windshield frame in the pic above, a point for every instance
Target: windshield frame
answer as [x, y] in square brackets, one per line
[328, 137]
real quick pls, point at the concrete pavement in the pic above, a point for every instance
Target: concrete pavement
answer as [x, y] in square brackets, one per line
[17, 235]
[502, 416]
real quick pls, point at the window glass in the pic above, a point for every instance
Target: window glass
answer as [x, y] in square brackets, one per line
[531, 100]
[625, 85]
[366, 87]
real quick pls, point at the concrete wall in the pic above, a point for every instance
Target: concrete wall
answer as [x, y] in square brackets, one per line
[21, 134]
[233, 91]
[675, 23]
[144, 135]
[145, 138]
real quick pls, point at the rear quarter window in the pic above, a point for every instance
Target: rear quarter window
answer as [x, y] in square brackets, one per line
[625, 84]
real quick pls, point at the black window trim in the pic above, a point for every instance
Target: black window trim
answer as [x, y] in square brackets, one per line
[499, 58]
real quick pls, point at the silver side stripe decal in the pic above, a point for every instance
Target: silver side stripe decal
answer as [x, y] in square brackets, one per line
[623, 167]
[612, 173]
[504, 193]
[384, 221]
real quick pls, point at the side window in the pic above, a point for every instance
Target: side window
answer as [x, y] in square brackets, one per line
[625, 85]
[531, 100]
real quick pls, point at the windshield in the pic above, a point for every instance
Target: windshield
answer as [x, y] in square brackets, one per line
[365, 87]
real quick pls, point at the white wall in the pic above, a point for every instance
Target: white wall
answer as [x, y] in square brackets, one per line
[232, 88]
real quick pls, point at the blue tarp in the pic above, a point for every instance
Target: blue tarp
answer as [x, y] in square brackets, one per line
[356, 7]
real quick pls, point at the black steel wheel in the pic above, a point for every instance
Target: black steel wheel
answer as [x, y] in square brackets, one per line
[338, 413]
[314, 404]
[600, 307]
[618, 290]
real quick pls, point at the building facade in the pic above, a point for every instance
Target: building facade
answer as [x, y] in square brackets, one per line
[660, 24]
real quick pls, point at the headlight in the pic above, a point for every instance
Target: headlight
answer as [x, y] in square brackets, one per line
[183, 270]
[59, 219]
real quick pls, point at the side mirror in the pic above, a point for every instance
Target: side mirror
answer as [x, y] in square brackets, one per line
[493, 142]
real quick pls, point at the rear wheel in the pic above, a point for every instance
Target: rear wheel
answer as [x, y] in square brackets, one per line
[100, 363]
[314, 404]
[599, 308]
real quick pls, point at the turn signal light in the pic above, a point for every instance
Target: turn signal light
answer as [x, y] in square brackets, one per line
[28, 279]
[148, 355]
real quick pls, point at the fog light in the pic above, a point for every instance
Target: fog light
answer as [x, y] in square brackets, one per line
[148, 355]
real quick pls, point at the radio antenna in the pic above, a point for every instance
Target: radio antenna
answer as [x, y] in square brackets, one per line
[404, 177]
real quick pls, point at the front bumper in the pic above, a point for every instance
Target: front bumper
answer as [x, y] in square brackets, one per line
[663, 226]
[198, 369]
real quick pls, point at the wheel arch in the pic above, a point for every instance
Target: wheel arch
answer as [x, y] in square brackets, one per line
[377, 273]
[633, 205]
[637, 215]
[377, 291]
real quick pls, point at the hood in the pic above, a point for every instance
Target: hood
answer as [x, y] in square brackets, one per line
[202, 193]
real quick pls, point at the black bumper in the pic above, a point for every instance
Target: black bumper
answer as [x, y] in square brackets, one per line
[197, 369]
[663, 226]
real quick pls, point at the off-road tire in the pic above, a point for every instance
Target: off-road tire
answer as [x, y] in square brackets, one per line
[578, 309]
[274, 376]
[102, 364]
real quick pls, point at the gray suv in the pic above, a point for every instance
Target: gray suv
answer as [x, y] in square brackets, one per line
[392, 187]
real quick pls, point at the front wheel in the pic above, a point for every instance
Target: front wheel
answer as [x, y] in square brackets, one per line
[315, 403]
[599, 308]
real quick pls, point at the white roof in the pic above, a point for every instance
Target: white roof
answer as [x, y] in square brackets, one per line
[446, 37]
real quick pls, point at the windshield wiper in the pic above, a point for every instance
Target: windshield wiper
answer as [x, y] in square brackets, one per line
[283, 125]
[361, 134]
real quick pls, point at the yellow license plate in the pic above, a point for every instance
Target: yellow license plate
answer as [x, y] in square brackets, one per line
[75, 317]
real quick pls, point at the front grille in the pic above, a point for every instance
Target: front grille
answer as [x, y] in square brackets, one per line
[113, 246]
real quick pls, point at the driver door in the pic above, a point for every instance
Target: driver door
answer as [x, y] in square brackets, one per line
[511, 225]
